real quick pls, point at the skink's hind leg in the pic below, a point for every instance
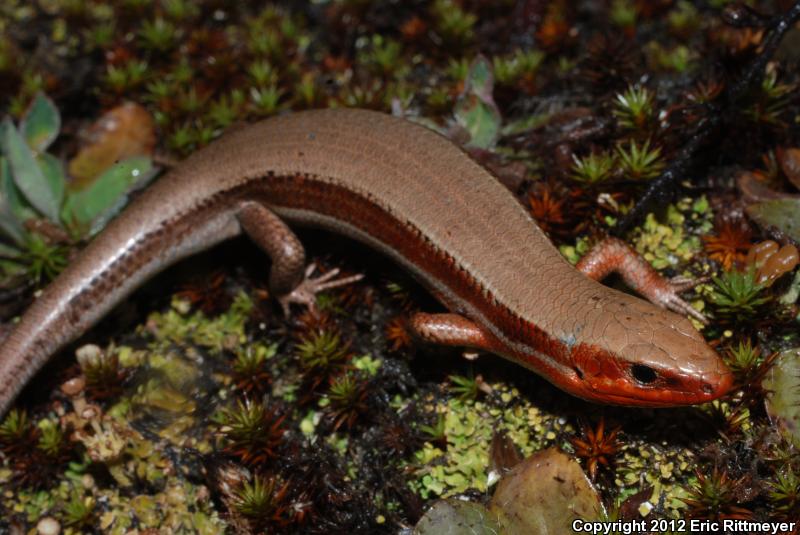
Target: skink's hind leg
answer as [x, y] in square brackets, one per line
[290, 281]
[613, 255]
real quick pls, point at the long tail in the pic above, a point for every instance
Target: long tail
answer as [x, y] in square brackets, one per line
[108, 270]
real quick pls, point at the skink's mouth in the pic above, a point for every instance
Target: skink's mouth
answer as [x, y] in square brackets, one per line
[696, 392]
[683, 399]
[643, 380]
[616, 381]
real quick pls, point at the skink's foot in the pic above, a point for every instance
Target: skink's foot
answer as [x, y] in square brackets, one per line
[613, 255]
[305, 294]
[681, 284]
[668, 297]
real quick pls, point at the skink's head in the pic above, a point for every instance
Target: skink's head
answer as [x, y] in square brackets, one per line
[636, 354]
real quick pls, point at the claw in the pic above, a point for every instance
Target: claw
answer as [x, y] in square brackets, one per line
[681, 283]
[668, 297]
[676, 304]
[310, 269]
[470, 355]
[305, 294]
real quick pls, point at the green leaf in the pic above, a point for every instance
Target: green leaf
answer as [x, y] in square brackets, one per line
[9, 192]
[9, 222]
[476, 110]
[457, 517]
[543, 494]
[28, 175]
[53, 171]
[778, 215]
[480, 79]
[41, 123]
[783, 401]
[107, 194]
[10, 227]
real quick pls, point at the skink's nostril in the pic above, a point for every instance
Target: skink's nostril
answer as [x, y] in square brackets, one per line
[718, 384]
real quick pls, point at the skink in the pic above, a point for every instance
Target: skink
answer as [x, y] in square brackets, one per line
[416, 197]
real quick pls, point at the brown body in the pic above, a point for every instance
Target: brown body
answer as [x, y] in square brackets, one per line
[411, 194]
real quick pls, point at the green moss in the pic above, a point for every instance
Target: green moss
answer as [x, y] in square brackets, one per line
[367, 363]
[79, 512]
[381, 56]
[635, 109]
[173, 505]
[146, 488]
[594, 167]
[678, 59]
[623, 13]
[671, 244]
[51, 437]
[226, 331]
[522, 63]
[573, 253]
[639, 161]
[453, 23]
[665, 468]
[737, 296]
[180, 508]
[308, 425]
[469, 426]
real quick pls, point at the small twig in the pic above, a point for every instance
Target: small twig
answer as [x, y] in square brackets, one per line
[663, 186]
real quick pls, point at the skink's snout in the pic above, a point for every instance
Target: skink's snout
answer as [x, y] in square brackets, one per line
[717, 384]
[701, 377]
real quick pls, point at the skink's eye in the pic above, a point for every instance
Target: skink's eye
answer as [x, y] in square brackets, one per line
[643, 374]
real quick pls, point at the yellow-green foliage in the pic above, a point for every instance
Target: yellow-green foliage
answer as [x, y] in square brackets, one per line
[172, 374]
[469, 426]
[223, 331]
[665, 468]
[669, 469]
[668, 244]
[177, 506]
[573, 253]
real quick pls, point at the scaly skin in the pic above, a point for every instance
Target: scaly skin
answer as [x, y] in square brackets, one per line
[414, 196]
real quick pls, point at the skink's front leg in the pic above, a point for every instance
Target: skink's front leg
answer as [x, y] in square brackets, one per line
[290, 280]
[613, 255]
[450, 330]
